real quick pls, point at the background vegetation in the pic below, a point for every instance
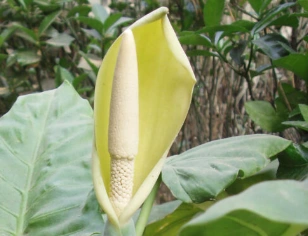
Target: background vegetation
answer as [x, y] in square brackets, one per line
[249, 57]
[250, 60]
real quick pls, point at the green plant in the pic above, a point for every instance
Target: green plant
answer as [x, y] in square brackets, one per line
[247, 51]
[223, 187]
[43, 43]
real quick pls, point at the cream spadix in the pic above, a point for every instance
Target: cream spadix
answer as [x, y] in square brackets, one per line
[123, 132]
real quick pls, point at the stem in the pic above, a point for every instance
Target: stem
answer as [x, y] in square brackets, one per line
[285, 98]
[275, 81]
[244, 11]
[146, 208]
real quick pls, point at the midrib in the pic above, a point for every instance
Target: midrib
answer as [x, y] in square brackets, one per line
[25, 193]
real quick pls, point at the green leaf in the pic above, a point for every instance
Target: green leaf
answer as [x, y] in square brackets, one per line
[212, 12]
[195, 39]
[48, 20]
[237, 51]
[263, 114]
[61, 40]
[48, 6]
[268, 173]
[25, 33]
[80, 10]
[304, 4]
[203, 172]
[271, 45]
[171, 224]
[227, 30]
[62, 75]
[90, 63]
[27, 57]
[112, 19]
[160, 211]
[100, 12]
[259, 5]
[45, 171]
[297, 63]
[304, 111]
[123, 20]
[77, 81]
[204, 53]
[294, 96]
[293, 162]
[286, 20]
[248, 25]
[268, 208]
[127, 230]
[298, 124]
[259, 70]
[269, 17]
[6, 34]
[3, 56]
[92, 22]
[25, 3]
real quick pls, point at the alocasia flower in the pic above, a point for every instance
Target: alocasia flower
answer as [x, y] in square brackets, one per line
[142, 96]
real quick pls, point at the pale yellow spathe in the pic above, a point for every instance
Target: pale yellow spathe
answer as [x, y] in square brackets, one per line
[165, 81]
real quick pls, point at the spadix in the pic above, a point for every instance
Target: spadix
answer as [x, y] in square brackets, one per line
[123, 132]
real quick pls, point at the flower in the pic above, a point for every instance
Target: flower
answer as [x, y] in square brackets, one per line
[142, 96]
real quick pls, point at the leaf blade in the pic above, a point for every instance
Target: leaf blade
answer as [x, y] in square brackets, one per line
[48, 20]
[269, 208]
[219, 163]
[46, 188]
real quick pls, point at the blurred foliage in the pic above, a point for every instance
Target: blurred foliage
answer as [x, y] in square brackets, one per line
[249, 52]
[43, 43]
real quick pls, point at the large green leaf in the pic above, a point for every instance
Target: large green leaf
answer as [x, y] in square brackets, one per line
[297, 63]
[270, 17]
[160, 211]
[171, 224]
[45, 177]
[269, 208]
[203, 172]
[259, 5]
[195, 39]
[286, 20]
[268, 173]
[263, 114]
[272, 45]
[293, 162]
[212, 12]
